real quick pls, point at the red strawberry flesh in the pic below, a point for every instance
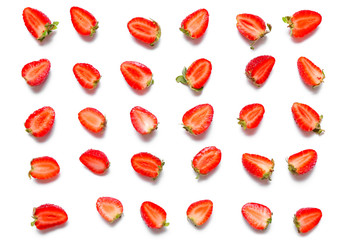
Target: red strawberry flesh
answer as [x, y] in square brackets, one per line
[306, 219]
[259, 69]
[309, 72]
[147, 164]
[302, 162]
[251, 115]
[40, 122]
[198, 119]
[95, 160]
[147, 31]
[195, 24]
[258, 166]
[87, 75]
[92, 119]
[44, 168]
[206, 160]
[109, 208]
[83, 21]
[36, 72]
[137, 75]
[47, 216]
[257, 215]
[153, 215]
[143, 121]
[199, 212]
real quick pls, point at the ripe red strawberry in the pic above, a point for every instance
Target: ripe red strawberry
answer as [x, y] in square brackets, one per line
[44, 168]
[109, 208]
[87, 75]
[153, 215]
[198, 119]
[307, 118]
[258, 166]
[40, 122]
[92, 119]
[309, 72]
[36, 72]
[196, 75]
[147, 31]
[306, 219]
[252, 27]
[199, 212]
[83, 21]
[303, 22]
[37, 23]
[195, 24]
[147, 164]
[48, 216]
[257, 215]
[143, 121]
[302, 162]
[137, 75]
[95, 160]
[251, 115]
[206, 160]
[259, 69]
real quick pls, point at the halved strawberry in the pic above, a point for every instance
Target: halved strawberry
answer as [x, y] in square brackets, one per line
[143, 121]
[199, 212]
[137, 75]
[92, 119]
[198, 119]
[37, 23]
[303, 22]
[153, 215]
[302, 162]
[306, 219]
[196, 75]
[307, 118]
[195, 24]
[95, 160]
[48, 216]
[36, 72]
[259, 69]
[257, 215]
[87, 75]
[83, 21]
[258, 166]
[252, 27]
[147, 31]
[44, 168]
[40, 122]
[309, 72]
[251, 115]
[206, 160]
[109, 208]
[147, 164]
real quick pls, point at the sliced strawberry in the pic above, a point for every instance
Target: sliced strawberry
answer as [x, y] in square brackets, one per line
[259, 69]
[40, 122]
[83, 21]
[309, 72]
[147, 31]
[109, 208]
[257, 215]
[198, 119]
[195, 24]
[306, 219]
[137, 75]
[302, 162]
[196, 75]
[92, 119]
[251, 115]
[153, 215]
[307, 118]
[44, 168]
[48, 216]
[87, 75]
[95, 160]
[147, 164]
[206, 160]
[199, 212]
[36, 72]
[37, 23]
[303, 22]
[258, 166]
[143, 121]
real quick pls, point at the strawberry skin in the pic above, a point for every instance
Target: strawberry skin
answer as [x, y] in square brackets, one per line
[257, 215]
[303, 22]
[147, 31]
[87, 75]
[196, 75]
[307, 118]
[302, 162]
[36, 72]
[306, 219]
[109, 208]
[37, 23]
[44, 168]
[206, 160]
[40, 122]
[198, 119]
[258, 166]
[195, 25]
[48, 216]
[153, 215]
[137, 75]
[251, 115]
[259, 69]
[95, 160]
[92, 120]
[147, 164]
[199, 212]
[143, 121]
[83, 21]
[311, 74]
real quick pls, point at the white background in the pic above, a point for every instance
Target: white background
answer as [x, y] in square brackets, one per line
[331, 186]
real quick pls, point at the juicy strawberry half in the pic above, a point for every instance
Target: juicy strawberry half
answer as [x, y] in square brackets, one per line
[48, 216]
[37, 23]
[147, 31]
[206, 160]
[196, 75]
[306, 219]
[303, 22]
[307, 118]
[153, 215]
[310, 73]
[302, 162]
[44, 168]
[109, 208]
[147, 164]
[258, 166]
[87, 75]
[195, 25]
[198, 119]
[199, 212]
[259, 69]
[251, 115]
[36, 72]
[143, 121]
[95, 160]
[137, 75]
[40, 122]
[257, 215]
[92, 120]
[83, 21]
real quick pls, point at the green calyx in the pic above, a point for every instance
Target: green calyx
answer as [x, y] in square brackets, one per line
[116, 217]
[189, 129]
[261, 36]
[165, 224]
[186, 32]
[242, 123]
[268, 222]
[48, 29]
[292, 169]
[297, 224]
[34, 217]
[317, 128]
[160, 169]
[288, 21]
[182, 79]
[158, 35]
[93, 29]
[267, 175]
[151, 82]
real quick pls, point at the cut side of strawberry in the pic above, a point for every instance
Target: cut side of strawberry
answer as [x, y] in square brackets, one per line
[95, 160]
[143, 121]
[258, 166]
[306, 219]
[307, 118]
[311, 74]
[199, 212]
[147, 164]
[48, 216]
[40, 122]
[303, 22]
[147, 31]
[44, 168]
[153, 215]
[257, 215]
[37, 23]
[87, 75]
[92, 120]
[83, 21]
[196, 75]
[259, 69]
[109, 208]
[251, 115]
[206, 160]
[198, 119]
[36, 72]
[302, 162]
[137, 75]
[195, 25]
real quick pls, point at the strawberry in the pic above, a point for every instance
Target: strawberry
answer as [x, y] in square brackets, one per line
[257, 215]
[147, 31]
[143, 121]
[309, 72]
[252, 27]
[137, 75]
[109, 208]
[206, 160]
[199, 212]
[95, 160]
[36, 72]
[196, 75]
[37, 23]
[48, 216]
[302, 22]
[195, 25]
[302, 162]
[87, 75]
[83, 21]
[40, 122]
[306, 219]
[307, 118]
[92, 119]
[258, 166]
[147, 164]
[44, 168]
[251, 115]
[259, 69]
[198, 119]
[153, 215]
